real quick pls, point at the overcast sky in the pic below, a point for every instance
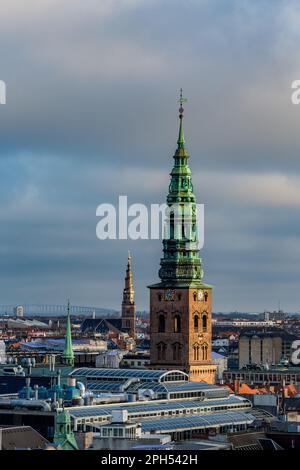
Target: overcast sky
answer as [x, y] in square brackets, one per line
[92, 113]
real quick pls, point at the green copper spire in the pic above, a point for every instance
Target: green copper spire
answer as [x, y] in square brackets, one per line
[181, 140]
[64, 437]
[181, 265]
[68, 354]
[181, 150]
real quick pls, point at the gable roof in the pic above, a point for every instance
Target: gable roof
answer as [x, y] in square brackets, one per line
[102, 325]
[21, 437]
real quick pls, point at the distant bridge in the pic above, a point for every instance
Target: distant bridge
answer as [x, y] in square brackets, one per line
[35, 309]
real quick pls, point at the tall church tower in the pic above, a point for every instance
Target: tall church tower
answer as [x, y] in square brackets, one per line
[128, 305]
[181, 304]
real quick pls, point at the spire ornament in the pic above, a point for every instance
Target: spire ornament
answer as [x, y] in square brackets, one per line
[181, 151]
[181, 101]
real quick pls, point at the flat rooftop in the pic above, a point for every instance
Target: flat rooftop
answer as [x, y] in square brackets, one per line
[157, 407]
[121, 374]
[197, 422]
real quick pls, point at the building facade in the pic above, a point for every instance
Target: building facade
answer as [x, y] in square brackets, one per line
[181, 303]
[276, 316]
[264, 348]
[19, 311]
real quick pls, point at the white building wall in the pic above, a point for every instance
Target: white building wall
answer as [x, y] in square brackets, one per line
[2, 352]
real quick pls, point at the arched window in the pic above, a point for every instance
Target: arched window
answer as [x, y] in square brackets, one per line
[195, 296]
[204, 322]
[161, 323]
[176, 347]
[196, 352]
[205, 296]
[196, 323]
[161, 351]
[172, 225]
[159, 297]
[177, 324]
[204, 352]
[179, 351]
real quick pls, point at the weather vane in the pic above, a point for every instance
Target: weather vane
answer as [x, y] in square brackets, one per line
[181, 101]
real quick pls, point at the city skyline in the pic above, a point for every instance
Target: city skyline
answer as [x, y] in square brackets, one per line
[67, 145]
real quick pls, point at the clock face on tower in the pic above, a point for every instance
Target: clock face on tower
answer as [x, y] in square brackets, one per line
[200, 294]
[170, 295]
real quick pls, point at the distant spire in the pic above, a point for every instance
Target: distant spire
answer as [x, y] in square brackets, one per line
[128, 293]
[68, 354]
[128, 305]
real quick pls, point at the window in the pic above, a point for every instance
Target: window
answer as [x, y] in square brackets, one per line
[177, 348]
[205, 296]
[195, 296]
[183, 229]
[179, 296]
[204, 352]
[196, 352]
[204, 322]
[159, 297]
[161, 323]
[172, 225]
[177, 324]
[196, 323]
[161, 351]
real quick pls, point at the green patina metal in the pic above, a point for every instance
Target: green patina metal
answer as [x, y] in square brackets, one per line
[64, 438]
[68, 354]
[181, 265]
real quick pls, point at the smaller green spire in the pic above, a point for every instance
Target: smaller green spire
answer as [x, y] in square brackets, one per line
[64, 437]
[68, 354]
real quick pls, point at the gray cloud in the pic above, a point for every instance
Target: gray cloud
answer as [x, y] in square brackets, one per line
[91, 113]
